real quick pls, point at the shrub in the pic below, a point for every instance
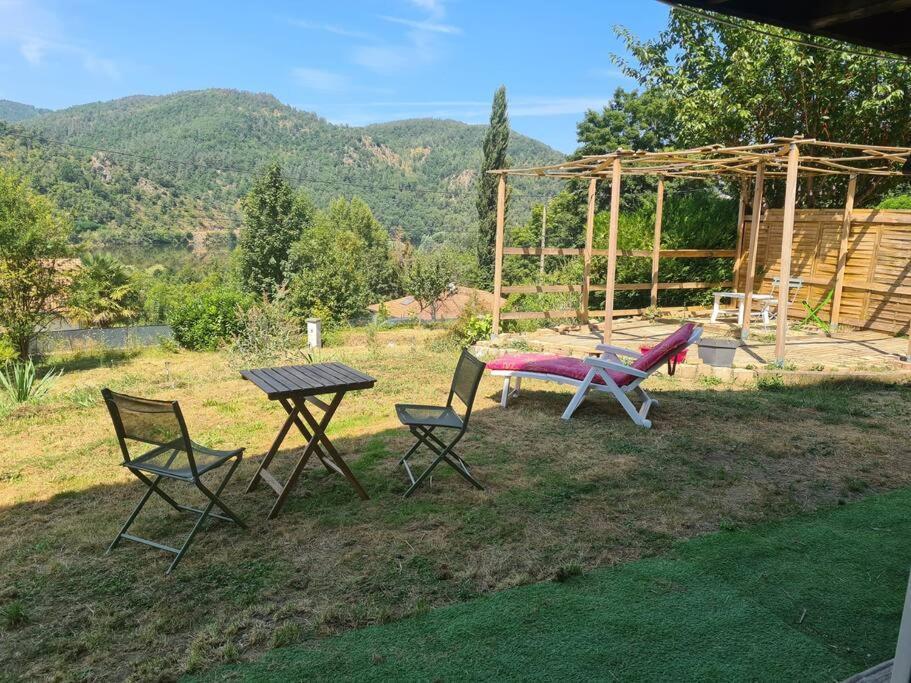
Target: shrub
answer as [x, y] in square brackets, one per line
[472, 325]
[7, 352]
[202, 321]
[268, 334]
[901, 201]
[19, 381]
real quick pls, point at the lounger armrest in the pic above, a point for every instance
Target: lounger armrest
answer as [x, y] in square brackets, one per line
[618, 350]
[618, 367]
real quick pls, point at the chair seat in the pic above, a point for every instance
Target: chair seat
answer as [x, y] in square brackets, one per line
[173, 462]
[428, 416]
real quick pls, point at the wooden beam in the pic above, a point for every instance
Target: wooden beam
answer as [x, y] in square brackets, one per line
[543, 235]
[537, 251]
[612, 250]
[787, 245]
[587, 253]
[741, 213]
[843, 252]
[656, 241]
[498, 254]
[758, 189]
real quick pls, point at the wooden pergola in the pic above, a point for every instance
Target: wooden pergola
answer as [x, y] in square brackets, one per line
[786, 157]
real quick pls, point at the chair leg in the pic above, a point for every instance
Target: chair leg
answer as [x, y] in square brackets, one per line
[443, 451]
[207, 512]
[580, 395]
[151, 488]
[504, 398]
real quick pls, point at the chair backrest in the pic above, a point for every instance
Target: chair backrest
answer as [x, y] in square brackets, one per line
[795, 283]
[465, 381]
[670, 346]
[157, 423]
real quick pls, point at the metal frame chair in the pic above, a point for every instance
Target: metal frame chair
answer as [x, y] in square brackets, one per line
[174, 456]
[423, 420]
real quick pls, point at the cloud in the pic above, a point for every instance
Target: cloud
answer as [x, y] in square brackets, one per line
[319, 79]
[38, 33]
[421, 44]
[424, 25]
[331, 28]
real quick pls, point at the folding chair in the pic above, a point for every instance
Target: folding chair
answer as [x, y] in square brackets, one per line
[813, 312]
[174, 456]
[423, 421]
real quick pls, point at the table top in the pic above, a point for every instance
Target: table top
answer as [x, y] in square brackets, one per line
[741, 295]
[307, 380]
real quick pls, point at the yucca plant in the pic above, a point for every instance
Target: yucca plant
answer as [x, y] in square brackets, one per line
[20, 383]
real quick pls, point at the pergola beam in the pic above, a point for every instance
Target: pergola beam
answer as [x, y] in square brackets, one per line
[787, 245]
[843, 253]
[612, 250]
[656, 242]
[758, 189]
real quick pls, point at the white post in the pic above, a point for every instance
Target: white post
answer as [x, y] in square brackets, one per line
[314, 333]
[901, 666]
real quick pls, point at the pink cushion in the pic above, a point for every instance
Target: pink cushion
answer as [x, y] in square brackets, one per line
[675, 342]
[549, 364]
[574, 368]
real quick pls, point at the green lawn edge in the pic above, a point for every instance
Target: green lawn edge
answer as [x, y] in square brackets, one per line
[816, 597]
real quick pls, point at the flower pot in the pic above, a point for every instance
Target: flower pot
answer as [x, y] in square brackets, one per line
[719, 353]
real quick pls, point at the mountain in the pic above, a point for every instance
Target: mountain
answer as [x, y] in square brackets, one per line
[143, 169]
[13, 112]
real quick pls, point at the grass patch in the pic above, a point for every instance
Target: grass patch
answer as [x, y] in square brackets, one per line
[816, 598]
[559, 497]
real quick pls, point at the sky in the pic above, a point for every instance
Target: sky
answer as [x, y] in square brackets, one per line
[350, 61]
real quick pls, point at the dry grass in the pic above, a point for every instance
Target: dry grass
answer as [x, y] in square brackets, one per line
[559, 497]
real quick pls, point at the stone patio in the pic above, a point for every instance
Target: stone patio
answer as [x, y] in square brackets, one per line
[854, 351]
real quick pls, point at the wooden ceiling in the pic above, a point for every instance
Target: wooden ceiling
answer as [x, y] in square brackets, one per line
[877, 24]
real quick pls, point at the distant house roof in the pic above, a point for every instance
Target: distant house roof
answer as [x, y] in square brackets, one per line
[448, 309]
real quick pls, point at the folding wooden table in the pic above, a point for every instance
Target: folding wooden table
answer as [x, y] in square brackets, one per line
[294, 387]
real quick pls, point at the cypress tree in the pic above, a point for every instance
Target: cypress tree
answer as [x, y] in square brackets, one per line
[495, 143]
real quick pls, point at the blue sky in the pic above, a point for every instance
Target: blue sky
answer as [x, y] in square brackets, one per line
[352, 62]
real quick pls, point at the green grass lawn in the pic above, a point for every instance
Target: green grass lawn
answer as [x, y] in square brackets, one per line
[560, 498]
[816, 598]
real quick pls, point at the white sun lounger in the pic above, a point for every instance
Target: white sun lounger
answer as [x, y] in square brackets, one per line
[605, 373]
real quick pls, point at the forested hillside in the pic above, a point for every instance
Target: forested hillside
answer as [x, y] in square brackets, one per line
[190, 156]
[13, 112]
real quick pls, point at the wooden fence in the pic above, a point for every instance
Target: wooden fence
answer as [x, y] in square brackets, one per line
[876, 286]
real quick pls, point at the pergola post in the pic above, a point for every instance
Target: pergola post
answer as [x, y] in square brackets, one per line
[741, 213]
[656, 242]
[587, 252]
[752, 250]
[612, 250]
[498, 254]
[842, 254]
[787, 243]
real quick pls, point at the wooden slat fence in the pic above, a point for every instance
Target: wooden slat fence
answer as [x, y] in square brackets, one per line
[877, 280]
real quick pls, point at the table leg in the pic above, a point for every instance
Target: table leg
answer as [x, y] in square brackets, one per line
[716, 308]
[319, 431]
[301, 408]
[264, 464]
[740, 311]
[323, 458]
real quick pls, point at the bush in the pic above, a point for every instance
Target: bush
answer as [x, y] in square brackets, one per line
[203, 320]
[7, 352]
[472, 325]
[901, 201]
[269, 335]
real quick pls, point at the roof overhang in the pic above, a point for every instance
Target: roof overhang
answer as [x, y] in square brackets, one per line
[877, 24]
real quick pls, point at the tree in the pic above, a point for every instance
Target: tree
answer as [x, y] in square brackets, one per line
[274, 219]
[731, 85]
[33, 240]
[428, 278]
[103, 293]
[355, 216]
[496, 142]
